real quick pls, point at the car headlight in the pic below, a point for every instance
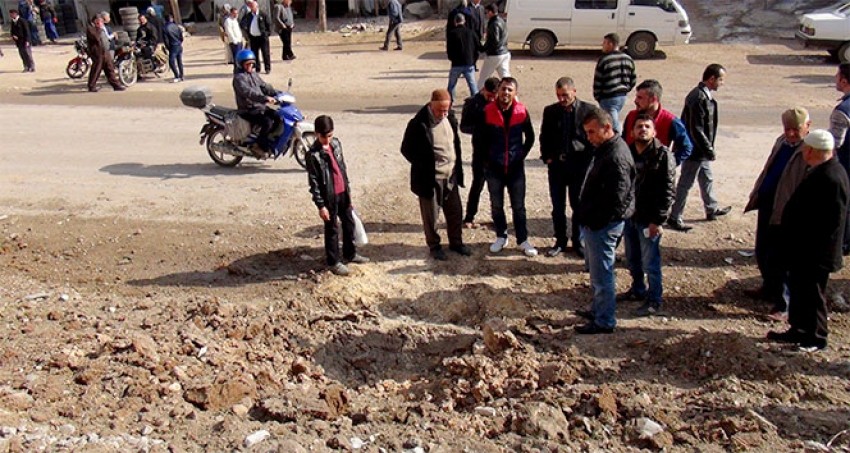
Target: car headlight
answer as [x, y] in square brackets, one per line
[683, 23]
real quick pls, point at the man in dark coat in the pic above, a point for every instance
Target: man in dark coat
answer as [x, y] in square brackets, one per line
[471, 123]
[98, 50]
[566, 152]
[462, 50]
[20, 31]
[256, 26]
[654, 191]
[813, 225]
[700, 118]
[606, 200]
[432, 146]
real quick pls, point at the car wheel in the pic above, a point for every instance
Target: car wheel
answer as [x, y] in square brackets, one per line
[641, 45]
[844, 53]
[542, 44]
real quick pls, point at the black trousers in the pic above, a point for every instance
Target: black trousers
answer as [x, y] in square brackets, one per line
[770, 257]
[286, 40]
[565, 184]
[474, 197]
[267, 120]
[260, 46]
[25, 52]
[807, 311]
[339, 207]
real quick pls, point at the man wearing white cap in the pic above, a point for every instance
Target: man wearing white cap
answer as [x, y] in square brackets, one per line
[783, 171]
[813, 229]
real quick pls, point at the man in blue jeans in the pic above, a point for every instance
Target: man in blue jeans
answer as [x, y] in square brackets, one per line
[613, 78]
[507, 138]
[172, 37]
[654, 192]
[605, 201]
[462, 50]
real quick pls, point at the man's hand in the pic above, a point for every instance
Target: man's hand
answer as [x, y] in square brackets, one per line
[655, 230]
[270, 100]
[325, 214]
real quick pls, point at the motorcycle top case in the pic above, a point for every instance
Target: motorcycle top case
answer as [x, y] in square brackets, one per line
[196, 96]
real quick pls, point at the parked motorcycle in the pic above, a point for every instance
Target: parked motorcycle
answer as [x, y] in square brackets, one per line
[80, 64]
[132, 63]
[228, 136]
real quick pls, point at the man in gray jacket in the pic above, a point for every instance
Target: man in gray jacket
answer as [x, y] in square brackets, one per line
[253, 96]
[283, 24]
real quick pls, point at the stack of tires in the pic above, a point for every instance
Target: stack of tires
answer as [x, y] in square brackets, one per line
[129, 19]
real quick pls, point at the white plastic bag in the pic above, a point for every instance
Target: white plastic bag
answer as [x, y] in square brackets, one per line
[360, 237]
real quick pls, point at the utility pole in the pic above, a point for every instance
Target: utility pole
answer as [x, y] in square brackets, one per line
[323, 15]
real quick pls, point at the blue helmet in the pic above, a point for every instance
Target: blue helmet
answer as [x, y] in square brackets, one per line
[245, 55]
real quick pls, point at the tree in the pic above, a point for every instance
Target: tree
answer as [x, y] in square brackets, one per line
[323, 15]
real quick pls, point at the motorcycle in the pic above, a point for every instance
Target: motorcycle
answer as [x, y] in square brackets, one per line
[229, 137]
[80, 64]
[132, 63]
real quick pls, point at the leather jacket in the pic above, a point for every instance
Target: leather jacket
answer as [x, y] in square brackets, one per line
[608, 192]
[319, 172]
[655, 184]
[700, 118]
[496, 42]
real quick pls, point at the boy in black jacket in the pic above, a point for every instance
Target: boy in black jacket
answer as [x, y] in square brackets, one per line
[332, 195]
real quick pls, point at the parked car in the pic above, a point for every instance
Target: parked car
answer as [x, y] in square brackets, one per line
[829, 29]
[544, 24]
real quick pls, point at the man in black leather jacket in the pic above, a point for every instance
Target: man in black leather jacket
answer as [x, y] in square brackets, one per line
[700, 118]
[498, 57]
[332, 196]
[566, 152]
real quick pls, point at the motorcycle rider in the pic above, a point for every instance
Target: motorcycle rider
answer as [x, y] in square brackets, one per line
[253, 96]
[147, 39]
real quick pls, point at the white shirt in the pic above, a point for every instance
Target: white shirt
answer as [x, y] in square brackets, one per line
[255, 27]
[232, 30]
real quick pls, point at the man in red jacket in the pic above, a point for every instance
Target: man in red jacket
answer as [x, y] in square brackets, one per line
[669, 129]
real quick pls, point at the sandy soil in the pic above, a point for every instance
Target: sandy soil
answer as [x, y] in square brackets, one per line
[154, 301]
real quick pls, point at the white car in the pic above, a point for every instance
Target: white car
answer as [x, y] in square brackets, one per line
[827, 28]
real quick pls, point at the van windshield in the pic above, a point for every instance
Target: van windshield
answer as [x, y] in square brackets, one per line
[844, 9]
[666, 5]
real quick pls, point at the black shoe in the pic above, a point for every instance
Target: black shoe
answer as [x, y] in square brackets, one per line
[461, 249]
[630, 296]
[812, 344]
[579, 251]
[586, 314]
[94, 90]
[439, 255]
[383, 48]
[398, 48]
[592, 329]
[713, 215]
[119, 88]
[678, 225]
[789, 336]
[648, 309]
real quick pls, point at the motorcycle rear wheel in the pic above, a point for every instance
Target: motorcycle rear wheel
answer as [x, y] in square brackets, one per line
[223, 159]
[77, 68]
[127, 72]
[300, 150]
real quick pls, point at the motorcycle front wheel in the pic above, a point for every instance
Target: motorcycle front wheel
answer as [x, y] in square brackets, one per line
[127, 72]
[219, 157]
[300, 148]
[77, 68]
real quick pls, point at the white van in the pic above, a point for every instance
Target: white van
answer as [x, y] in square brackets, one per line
[827, 28]
[543, 24]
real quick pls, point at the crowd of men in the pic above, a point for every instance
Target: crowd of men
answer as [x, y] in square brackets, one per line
[624, 187]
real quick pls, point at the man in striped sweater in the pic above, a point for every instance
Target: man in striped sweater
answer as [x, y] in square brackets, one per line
[614, 78]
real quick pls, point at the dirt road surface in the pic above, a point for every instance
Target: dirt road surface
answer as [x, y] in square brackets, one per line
[153, 301]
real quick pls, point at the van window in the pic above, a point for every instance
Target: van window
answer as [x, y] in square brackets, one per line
[666, 5]
[596, 4]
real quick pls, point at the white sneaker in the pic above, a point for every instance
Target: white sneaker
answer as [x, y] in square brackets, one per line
[528, 249]
[497, 246]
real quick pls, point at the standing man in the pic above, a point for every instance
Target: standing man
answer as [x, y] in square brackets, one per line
[224, 13]
[607, 198]
[566, 152]
[613, 79]
[394, 14]
[498, 57]
[462, 49]
[234, 35]
[48, 18]
[839, 126]
[98, 50]
[432, 146]
[813, 226]
[700, 117]
[20, 32]
[255, 24]
[472, 122]
[110, 36]
[478, 24]
[284, 22]
[508, 137]
[173, 40]
[654, 190]
[669, 129]
[782, 173]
